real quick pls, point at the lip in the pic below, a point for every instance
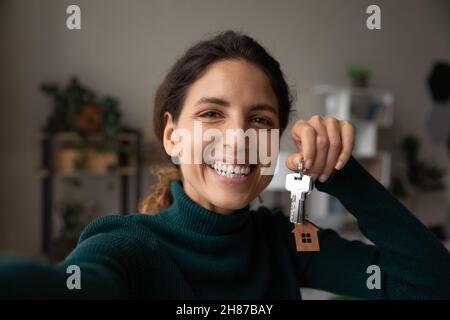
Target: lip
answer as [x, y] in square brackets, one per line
[233, 161]
[230, 181]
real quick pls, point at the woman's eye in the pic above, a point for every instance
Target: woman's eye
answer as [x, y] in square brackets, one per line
[262, 121]
[210, 114]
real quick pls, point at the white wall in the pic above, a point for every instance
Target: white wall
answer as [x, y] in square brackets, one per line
[125, 47]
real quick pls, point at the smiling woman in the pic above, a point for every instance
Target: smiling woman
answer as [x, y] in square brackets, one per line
[198, 237]
[228, 82]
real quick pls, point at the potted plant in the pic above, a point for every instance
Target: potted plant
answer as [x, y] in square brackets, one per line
[94, 125]
[359, 76]
[71, 226]
[422, 188]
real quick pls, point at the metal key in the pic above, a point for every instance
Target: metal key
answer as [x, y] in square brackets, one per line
[300, 185]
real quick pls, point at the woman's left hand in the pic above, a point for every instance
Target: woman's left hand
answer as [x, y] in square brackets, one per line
[324, 145]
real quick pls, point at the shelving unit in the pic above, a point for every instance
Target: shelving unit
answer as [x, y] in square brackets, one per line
[367, 105]
[48, 171]
[369, 110]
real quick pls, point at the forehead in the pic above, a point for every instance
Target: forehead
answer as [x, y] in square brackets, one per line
[237, 81]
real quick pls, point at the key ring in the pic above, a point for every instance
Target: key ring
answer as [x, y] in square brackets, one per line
[301, 169]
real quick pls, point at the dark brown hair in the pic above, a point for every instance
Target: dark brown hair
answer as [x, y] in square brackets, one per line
[228, 45]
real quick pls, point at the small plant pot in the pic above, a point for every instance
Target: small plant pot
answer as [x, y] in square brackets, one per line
[360, 82]
[66, 160]
[101, 162]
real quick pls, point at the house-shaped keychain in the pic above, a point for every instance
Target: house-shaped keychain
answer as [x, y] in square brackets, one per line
[306, 238]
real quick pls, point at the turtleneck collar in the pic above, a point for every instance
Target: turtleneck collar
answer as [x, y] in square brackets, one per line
[190, 215]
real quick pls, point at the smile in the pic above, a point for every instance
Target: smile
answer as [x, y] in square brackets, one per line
[232, 171]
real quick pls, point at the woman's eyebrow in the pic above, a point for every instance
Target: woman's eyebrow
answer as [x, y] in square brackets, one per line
[264, 107]
[213, 100]
[222, 102]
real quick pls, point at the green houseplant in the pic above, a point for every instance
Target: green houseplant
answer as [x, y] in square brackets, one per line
[88, 128]
[359, 76]
[420, 184]
[78, 110]
[420, 175]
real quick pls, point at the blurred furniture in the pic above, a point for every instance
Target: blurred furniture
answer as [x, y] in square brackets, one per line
[58, 160]
[369, 110]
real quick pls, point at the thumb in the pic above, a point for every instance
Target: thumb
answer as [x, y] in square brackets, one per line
[292, 161]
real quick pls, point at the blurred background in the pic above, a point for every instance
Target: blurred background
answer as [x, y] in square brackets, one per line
[76, 105]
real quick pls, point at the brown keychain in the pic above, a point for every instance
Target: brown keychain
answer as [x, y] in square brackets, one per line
[305, 232]
[306, 238]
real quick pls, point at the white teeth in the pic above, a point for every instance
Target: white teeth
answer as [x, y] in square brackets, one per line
[230, 171]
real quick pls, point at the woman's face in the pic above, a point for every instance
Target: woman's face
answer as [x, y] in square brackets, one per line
[231, 94]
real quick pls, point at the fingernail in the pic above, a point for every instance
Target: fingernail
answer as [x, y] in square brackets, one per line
[314, 176]
[296, 161]
[339, 165]
[308, 164]
[323, 178]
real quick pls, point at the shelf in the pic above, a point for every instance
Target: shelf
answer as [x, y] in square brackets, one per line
[123, 171]
[330, 89]
[369, 105]
[73, 136]
[62, 157]
[369, 110]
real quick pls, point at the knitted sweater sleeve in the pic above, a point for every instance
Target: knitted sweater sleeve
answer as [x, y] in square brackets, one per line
[107, 261]
[413, 263]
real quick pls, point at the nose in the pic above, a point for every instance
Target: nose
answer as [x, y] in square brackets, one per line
[236, 121]
[235, 142]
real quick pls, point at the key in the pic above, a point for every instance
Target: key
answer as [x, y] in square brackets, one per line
[300, 185]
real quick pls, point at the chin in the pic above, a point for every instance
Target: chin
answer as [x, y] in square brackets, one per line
[228, 203]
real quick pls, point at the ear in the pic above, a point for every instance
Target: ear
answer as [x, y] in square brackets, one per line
[169, 127]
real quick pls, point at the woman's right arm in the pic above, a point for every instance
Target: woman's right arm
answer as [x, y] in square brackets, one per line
[412, 262]
[108, 262]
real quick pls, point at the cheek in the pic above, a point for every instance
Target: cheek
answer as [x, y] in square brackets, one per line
[187, 146]
[268, 141]
[200, 142]
[192, 165]
[268, 151]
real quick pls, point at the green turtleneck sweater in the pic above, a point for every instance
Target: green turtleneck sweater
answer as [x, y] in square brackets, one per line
[187, 251]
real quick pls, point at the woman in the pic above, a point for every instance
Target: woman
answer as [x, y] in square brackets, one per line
[197, 237]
